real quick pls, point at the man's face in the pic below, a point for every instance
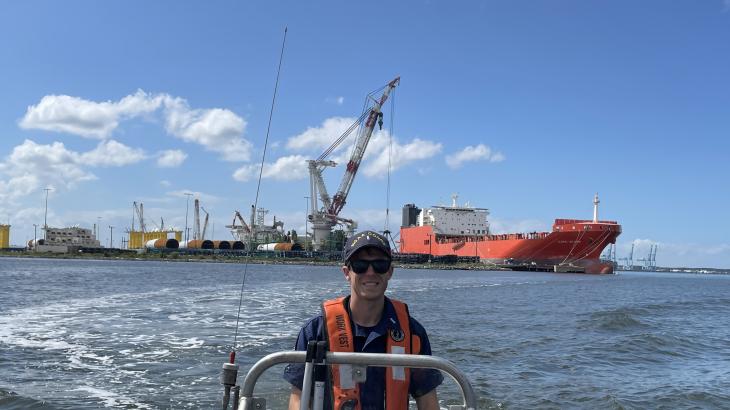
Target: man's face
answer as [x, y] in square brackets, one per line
[369, 285]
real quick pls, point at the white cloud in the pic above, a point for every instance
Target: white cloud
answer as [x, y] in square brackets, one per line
[398, 156]
[335, 100]
[32, 166]
[218, 130]
[370, 218]
[111, 153]
[480, 152]
[318, 138]
[289, 168]
[165, 182]
[74, 115]
[377, 157]
[171, 158]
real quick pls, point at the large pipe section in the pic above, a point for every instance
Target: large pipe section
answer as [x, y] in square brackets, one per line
[279, 246]
[225, 245]
[197, 244]
[162, 243]
[238, 246]
[33, 242]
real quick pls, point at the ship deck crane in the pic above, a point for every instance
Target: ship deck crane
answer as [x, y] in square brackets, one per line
[327, 215]
[243, 226]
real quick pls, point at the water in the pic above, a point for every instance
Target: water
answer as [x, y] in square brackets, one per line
[136, 334]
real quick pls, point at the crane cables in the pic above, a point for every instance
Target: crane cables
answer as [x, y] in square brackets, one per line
[390, 159]
[348, 131]
[256, 200]
[344, 135]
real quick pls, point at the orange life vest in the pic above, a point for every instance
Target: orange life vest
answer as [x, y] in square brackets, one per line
[345, 392]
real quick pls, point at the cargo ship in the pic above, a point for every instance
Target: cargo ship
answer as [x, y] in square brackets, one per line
[573, 245]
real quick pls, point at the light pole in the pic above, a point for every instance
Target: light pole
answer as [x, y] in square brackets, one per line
[45, 215]
[187, 206]
[306, 223]
[111, 236]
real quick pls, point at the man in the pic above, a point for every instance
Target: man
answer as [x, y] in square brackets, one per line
[372, 324]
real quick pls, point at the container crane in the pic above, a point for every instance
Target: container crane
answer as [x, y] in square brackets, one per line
[327, 215]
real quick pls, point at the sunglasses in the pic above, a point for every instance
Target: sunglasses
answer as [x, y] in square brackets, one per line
[360, 266]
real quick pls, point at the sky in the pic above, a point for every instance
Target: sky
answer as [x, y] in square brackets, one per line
[527, 108]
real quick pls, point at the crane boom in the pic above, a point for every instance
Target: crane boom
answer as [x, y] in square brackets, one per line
[140, 215]
[326, 216]
[205, 224]
[363, 138]
[196, 219]
[317, 182]
[238, 216]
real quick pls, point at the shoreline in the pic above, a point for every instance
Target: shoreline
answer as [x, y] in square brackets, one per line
[176, 257]
[303, 261]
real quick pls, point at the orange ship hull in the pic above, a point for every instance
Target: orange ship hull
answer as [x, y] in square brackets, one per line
[572, 246]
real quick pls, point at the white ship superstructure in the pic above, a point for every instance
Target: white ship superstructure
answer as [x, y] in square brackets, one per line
[455, 220]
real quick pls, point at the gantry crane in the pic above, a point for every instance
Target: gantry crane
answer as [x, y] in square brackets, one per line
[327, 215]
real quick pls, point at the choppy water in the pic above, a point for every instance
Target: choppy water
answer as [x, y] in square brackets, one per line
[132, 334]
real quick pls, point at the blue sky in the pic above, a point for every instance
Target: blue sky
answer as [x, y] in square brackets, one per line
[527, 108]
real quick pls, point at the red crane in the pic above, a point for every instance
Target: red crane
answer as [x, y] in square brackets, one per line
[326, 216]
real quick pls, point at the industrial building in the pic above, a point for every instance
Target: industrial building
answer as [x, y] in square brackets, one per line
[62, 240]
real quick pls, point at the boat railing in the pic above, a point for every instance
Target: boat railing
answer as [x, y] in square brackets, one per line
[359, 361]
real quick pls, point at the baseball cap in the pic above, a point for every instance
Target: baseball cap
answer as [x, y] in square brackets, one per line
[366, 239]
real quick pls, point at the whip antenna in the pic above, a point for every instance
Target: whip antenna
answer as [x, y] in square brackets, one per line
[230, 369]
[258, 185]
[258, 188]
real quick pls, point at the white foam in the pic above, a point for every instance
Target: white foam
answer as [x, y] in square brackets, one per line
[111, 399]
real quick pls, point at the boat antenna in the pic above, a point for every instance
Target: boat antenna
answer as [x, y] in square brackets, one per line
[258, 189]
[230, 369]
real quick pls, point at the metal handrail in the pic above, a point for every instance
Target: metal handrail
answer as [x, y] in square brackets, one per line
[366, 359]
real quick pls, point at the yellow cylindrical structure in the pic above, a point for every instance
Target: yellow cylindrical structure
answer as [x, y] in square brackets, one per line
[138, 239]
[4, 236]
